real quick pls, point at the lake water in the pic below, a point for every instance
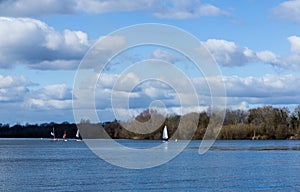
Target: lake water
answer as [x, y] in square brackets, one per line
[42, 165]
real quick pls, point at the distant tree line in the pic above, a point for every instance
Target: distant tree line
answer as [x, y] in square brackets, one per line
[37, 131]
[258, 123]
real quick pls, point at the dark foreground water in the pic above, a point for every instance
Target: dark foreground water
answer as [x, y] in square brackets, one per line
[42, 165]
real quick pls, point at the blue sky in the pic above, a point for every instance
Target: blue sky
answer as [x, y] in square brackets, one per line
[255, 43]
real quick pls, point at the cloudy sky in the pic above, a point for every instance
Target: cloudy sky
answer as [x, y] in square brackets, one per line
[255, 43]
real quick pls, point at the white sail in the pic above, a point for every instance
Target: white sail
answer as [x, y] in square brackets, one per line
[53, 133]
[77, 133]
[165, 133]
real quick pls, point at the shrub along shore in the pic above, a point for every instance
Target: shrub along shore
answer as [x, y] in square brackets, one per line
[258, 123]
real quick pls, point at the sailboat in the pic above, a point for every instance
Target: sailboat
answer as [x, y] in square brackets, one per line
[53, 135]
[165, 136]
[65, 136]
[77, 135]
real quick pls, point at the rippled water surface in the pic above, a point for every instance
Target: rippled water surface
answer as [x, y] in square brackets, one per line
[44, 165]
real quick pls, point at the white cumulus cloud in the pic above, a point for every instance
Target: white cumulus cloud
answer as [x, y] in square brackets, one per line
[13, 88]
[17, 93]
[48, 97]
[268, 89]
[270, 58]
[227, 53]
[33, 7]
[179, 9]
[165, 56]
[295, 44]
[289, 10]
[37, 45]
[175, 9]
